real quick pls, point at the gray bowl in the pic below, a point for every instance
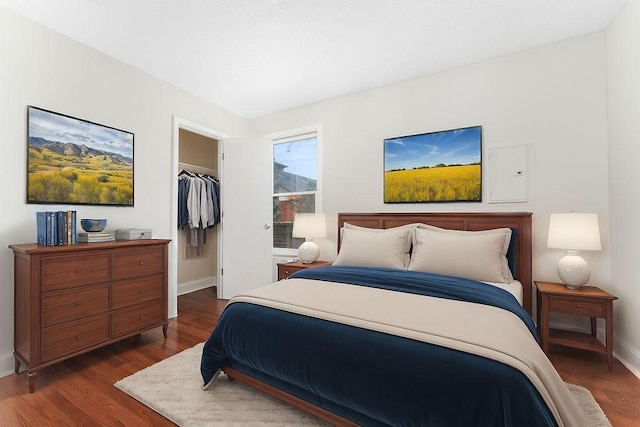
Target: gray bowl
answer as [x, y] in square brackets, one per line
[93, 224]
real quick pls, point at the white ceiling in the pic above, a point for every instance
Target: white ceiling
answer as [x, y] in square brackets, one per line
[256, 57]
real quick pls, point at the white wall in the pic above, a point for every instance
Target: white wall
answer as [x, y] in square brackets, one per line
[552, 99]
[45, 69]
[623, 45]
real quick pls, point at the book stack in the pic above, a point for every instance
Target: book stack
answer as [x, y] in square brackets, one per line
[56, 228]
[96, 236]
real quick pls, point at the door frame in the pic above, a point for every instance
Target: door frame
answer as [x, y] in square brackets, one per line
[188, 125]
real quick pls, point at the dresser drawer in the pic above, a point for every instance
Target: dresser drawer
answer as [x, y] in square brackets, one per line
[137, 262]
[136, 318]
[64, 306]
[74, 336]
[73, 271]
[577, 306]
[136, 291]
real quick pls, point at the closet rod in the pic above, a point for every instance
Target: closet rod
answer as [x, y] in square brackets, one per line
[197, 169]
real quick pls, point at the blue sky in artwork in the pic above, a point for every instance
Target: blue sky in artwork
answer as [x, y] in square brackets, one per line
[458, 146]
[55, 127]
[299, 156]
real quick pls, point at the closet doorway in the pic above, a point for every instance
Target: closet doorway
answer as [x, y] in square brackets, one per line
[196, 264]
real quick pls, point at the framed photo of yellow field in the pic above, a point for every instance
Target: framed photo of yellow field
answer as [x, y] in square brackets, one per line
[77, 162]
[435, 167]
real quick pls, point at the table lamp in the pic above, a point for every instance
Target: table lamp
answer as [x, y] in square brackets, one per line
[308, 226]
[574, 232]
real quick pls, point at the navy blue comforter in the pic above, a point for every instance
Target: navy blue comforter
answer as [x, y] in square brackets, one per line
[370, 377]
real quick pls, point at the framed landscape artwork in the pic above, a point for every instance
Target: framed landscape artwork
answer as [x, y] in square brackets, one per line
[77, 162]
[443, 166]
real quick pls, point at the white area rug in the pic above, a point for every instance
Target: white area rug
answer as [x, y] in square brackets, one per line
[172, 388]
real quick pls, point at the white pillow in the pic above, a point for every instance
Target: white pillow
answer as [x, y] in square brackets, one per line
[472, 255]
[378, 230]
[505, 232]
[386, 248]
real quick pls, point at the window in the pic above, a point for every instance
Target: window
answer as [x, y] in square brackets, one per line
[295, 184]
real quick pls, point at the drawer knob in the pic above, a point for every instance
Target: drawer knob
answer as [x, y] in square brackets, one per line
[578, 305]
[77, 337]
[286, 272]
[140, 262]
[77, 303]
[77, 270]
[140, 317]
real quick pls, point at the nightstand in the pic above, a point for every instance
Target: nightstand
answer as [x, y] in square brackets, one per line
[286, 269]
[588, 301]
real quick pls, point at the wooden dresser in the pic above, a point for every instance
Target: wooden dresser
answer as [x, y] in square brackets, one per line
[73, 299]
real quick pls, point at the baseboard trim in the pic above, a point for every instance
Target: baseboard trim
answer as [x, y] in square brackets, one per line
[7, 364]
[196, 285]
[627, 355]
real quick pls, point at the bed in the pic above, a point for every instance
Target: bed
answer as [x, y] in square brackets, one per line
[424, 319]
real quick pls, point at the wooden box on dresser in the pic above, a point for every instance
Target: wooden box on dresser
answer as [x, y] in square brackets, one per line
[69, 300]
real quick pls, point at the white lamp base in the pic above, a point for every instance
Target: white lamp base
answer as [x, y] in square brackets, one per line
[308, 252]
[573, 270]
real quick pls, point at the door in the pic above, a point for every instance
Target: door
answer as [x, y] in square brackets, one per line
[247, 240]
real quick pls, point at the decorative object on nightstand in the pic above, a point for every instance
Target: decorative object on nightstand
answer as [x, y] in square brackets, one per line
[586, 301]
[286, 269]
[574, 232]
[309, 225]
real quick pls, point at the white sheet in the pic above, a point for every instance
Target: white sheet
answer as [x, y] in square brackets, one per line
[515, 288]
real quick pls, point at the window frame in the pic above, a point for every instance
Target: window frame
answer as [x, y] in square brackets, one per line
[289, 136]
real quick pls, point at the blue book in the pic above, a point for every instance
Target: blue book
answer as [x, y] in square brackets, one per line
[41, 227]
[60, 221]
[50, 228]
[65, 227]
[74, 232]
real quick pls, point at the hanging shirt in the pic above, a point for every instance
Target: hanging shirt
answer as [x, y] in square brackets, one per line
[183, 190]
[193, 202]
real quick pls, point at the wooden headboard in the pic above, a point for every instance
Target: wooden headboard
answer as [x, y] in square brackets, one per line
[473, 221]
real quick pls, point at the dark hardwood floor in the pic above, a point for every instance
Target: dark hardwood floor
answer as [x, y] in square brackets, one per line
[80, 391]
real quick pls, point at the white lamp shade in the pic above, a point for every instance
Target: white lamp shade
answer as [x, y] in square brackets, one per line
[577, 231]
[574, 232]
[309, 225]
